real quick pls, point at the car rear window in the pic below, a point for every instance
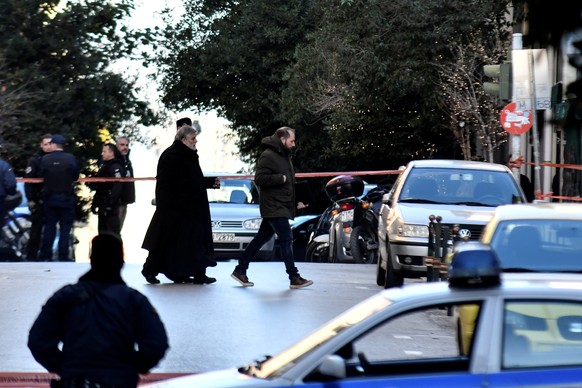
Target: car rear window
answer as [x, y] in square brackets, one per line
[539, 245]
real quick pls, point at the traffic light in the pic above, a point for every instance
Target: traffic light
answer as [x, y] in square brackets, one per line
[501, 74]
[573, 48]
[575, 58]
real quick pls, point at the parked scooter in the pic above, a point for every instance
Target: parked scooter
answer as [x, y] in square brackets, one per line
[341, 191]
[364, 235]
[347, 230]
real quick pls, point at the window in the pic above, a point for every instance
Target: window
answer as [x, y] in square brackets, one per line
[241, 191]
[451, 186]
[540, 245]
[542, 334]
[434, 339]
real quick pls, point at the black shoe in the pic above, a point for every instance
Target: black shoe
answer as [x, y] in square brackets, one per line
[210, 262]
[203, 280]
[150, 278]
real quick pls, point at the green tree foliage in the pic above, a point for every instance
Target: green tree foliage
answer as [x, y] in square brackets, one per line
[232, 56]
[358, 79]
[361, 72]
[61, 61]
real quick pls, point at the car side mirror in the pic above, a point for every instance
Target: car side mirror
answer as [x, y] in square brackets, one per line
[310, 228]
[333, 366]
[387, 199]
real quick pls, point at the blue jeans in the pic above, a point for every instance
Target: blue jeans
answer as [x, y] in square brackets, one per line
[270, 226]
[57, 209]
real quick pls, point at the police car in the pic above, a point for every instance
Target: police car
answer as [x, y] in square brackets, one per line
[526, 330]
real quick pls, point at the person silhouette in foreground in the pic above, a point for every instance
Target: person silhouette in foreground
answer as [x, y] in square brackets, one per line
[98, 332]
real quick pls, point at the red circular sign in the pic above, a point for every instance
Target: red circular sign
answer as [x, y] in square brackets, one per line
[515, 121]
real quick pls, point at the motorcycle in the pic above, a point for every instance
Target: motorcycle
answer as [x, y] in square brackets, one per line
[364, 235]
[347, 230]
[340, 190]
[15, 230]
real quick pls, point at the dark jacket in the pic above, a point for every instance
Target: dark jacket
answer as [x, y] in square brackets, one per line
[7, 179]
[180, 233]
[99, 323]
[108, 194]
[277, 194]
[33, 170]
[128, 188]
[60, 171]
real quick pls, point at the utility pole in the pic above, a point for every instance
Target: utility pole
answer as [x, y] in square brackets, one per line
[517, 44]
[536, 140]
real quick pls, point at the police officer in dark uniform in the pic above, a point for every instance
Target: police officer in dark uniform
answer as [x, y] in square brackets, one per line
[128, 188]
[98, 332]
[107, 199]
[34, 195]
[7, 187]
[60, 171]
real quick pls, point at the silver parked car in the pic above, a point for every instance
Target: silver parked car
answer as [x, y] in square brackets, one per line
[463, 193]
[235, 215]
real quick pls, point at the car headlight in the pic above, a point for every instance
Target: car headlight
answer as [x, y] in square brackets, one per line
[253, 223]
[408, 230]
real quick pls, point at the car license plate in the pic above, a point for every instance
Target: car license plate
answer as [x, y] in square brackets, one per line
[347, 215]
[223, 236]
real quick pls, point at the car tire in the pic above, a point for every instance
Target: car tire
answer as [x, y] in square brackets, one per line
[380, 273]
[392, 278]
[361, 238]
[317, 252]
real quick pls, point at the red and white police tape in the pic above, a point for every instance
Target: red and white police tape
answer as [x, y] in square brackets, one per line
[517, 163]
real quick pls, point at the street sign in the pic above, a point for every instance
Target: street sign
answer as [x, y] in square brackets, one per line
[515, 121]
[523, 78]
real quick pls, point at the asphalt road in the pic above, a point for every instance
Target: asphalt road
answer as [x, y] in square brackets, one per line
[210, 326]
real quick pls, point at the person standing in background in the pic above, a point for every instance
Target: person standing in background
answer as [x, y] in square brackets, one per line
[34, 196]
[107, 200]
[60, 171]
[128, 188]
[7, 187]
